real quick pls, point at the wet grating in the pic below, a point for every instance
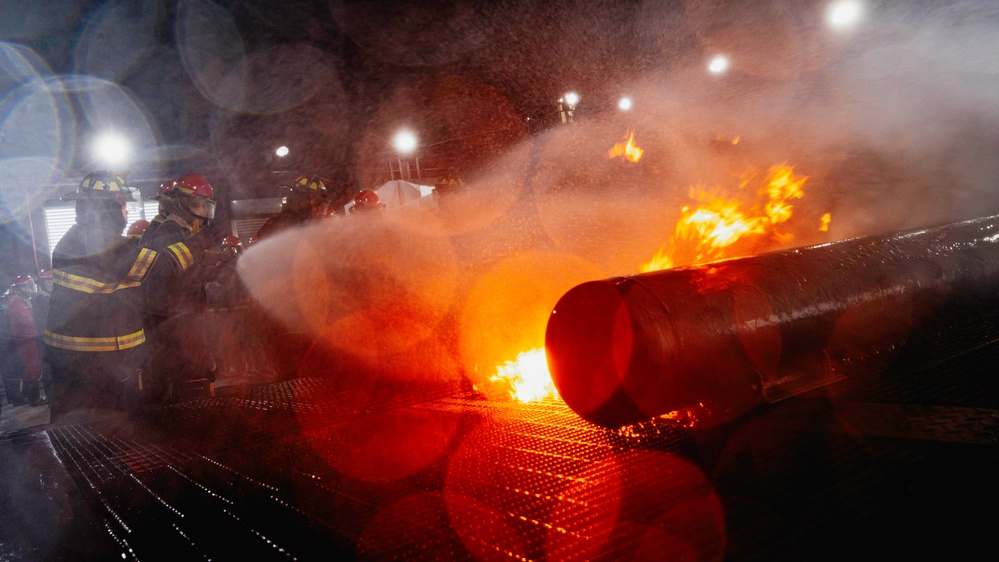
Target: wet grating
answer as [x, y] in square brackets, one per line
[303, 470]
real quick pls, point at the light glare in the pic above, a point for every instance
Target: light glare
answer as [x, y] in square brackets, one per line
[111, 149]
[844, 14]
[404, 142]
[624, 104]
[718, 64]
[282, 151]
[572, 98]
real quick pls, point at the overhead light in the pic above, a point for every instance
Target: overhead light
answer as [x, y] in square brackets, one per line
[718, 64]
[111, 148]
[404, 141]
[844, 14]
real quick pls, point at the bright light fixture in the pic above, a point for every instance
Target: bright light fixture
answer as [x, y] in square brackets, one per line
[281, 151]
[718, 64]
[624, 104]
[111, 148]
[572, 98]
[404, 141]
[844, 14]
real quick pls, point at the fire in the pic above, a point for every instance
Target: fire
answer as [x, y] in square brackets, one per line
[628, 150]
[704, 232]
[527, 376]
[825, 222]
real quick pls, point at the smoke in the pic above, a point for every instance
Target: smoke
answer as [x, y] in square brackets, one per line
[892, 124]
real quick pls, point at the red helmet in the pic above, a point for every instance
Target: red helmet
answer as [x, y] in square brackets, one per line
[138, 227]
[25, 284]
[45, 274]
[165, 187]
[197, 187]
[367, 200]
[232, 244]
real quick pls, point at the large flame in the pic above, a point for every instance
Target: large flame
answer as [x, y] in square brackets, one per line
[627, 150]
[527, 376]
[703, 232]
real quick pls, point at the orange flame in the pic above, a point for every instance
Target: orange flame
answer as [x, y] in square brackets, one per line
[704, 232]
[527, 376]
[628, 150]
[826, 218]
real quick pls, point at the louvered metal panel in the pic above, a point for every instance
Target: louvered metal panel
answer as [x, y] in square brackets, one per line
[59, 218]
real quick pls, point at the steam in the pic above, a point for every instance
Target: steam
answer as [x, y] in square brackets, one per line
[893, 122]
[893, 127]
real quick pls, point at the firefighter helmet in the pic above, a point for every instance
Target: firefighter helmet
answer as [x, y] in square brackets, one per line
[103, 184]
[232, 244]
[199, 195]
[367, 200]
[313, 185]
[448, 184]
[138, 227]
[165, 187]
[25, 284]
[45, 273]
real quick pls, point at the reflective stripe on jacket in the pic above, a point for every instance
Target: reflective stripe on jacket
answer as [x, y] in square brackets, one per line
[97, 302]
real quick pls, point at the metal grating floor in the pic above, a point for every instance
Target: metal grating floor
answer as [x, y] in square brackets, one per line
[302, 470]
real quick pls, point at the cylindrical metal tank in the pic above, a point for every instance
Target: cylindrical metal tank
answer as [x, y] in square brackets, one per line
[734, 334]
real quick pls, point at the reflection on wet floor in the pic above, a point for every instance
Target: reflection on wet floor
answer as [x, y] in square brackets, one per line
[15, 418]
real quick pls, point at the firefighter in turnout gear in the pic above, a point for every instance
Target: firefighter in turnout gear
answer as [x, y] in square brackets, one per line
[94, 337]
[305, 199]
[180, 234]
[24, 330]
[366, 201]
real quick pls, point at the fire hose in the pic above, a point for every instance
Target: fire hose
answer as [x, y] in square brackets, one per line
[748, 331]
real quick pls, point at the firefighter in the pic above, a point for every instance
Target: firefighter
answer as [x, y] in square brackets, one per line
[448, 184]
[40, 307]
[94, 337]
[366, 201]
[305, 199]
[222, 285]
[163, 211]
[232, 246]
[11, 368]
[180, 233]
[24, 332]
[238, 350]
[45, 283]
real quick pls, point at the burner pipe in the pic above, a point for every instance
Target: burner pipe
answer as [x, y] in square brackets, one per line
[731, 335]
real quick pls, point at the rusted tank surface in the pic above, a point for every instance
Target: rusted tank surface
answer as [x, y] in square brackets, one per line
[728, 336]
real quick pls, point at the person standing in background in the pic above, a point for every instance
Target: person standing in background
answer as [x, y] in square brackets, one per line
[11, 368]
[24, 332]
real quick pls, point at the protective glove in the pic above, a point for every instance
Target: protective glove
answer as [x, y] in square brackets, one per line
[208, 237]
